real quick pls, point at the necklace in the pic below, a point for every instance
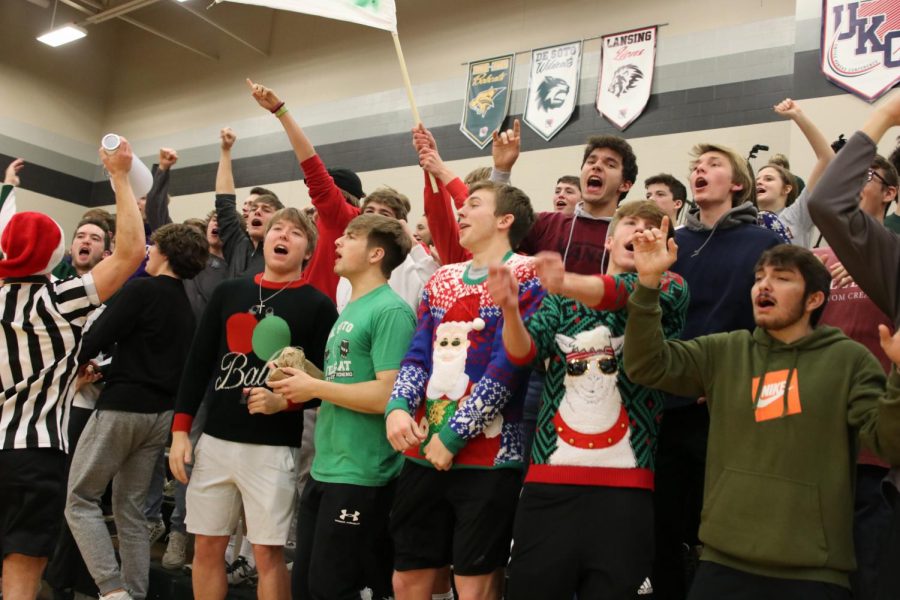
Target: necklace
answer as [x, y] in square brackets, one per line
[261, 308]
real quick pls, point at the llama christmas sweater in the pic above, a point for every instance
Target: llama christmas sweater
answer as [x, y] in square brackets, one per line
[456, 375]
[596, 427]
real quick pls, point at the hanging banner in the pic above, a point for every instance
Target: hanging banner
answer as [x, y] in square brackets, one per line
[487, 98]
[552, 88]
[626, 75]
[861, 45]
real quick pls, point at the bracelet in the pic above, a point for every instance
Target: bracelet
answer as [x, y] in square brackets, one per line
[277, 108]
[281, 110]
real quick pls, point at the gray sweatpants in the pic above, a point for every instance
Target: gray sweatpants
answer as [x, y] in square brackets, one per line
[122, 447]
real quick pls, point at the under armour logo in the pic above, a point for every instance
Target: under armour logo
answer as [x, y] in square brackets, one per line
[348, 518]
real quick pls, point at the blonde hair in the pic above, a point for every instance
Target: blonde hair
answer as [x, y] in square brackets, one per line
[740, 172]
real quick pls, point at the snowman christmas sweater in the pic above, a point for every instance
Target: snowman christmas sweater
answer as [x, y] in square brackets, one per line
[456, 375]
[235, 340]
[595, 426]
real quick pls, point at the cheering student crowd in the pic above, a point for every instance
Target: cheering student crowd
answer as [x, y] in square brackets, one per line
[587, 403]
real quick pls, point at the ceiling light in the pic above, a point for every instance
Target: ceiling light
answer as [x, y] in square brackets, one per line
[63, 35]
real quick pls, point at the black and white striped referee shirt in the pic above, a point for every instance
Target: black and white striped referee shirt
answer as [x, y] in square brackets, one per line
[41, 323]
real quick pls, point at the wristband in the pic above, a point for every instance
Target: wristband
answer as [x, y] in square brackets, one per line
[281, 110]
[277, 108]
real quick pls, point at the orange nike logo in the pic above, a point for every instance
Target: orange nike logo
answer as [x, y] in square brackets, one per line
[771, 400]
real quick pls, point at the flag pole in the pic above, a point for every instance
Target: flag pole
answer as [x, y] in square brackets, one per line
[409, 94]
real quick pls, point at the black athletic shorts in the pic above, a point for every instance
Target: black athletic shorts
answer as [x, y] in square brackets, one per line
[461, 517]
[343, 542]
[32, 498]
[584, 541]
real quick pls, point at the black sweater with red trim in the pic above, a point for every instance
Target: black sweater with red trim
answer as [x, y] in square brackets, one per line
[233, 345]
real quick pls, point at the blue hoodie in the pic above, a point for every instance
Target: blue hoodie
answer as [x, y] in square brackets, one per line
[717, 264]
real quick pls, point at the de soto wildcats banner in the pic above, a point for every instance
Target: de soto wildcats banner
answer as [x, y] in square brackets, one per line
[626, 75]
[552, 88]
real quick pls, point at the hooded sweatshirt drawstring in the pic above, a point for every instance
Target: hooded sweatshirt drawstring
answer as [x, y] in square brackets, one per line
[762, 378]
[743, 213]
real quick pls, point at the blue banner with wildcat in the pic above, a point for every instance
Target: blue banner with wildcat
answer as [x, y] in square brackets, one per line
[487, 98]
[552, 88]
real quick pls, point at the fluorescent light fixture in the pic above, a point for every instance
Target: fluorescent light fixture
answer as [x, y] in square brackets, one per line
[63, 35]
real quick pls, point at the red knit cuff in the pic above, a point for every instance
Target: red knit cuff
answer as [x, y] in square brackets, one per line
[522, 361]
[609, 297]
[182, 422]
[458, 191]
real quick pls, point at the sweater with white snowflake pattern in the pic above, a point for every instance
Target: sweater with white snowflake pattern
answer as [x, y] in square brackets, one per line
[595, 426]
[456, 374]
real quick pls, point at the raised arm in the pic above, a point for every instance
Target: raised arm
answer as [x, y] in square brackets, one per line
[267, 99]
[224, 174]
[505, 150]
[110, 274]
[820, 146]
[157, 208]
[7, 196]
[869, 251]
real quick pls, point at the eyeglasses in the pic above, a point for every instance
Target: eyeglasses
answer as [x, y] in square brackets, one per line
[607, 365]
[872, 173]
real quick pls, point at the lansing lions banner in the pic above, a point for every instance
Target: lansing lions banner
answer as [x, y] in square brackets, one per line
[861, 45]
[374, 13]
[626, 75]
[552, 88]
[487, 98]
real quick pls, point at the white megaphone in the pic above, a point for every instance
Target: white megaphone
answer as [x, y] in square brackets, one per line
[140, 177]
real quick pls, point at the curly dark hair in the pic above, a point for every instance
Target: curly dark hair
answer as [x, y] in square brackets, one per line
[184, 246]
[620, 147]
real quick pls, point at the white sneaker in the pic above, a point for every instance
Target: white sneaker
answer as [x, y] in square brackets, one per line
[156, 530]
[176, 551]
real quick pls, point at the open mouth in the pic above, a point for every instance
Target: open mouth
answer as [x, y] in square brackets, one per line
[84, 252]
[560, 204]
[256, 222]
[764, 301]
[215, 231]
[594, 184]
[629, 246]
[281, 249]
[760, 191]
[700, 183]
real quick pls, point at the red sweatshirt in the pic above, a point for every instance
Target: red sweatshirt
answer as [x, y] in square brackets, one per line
[334, 215]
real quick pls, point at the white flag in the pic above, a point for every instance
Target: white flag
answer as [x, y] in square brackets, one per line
[374, 13]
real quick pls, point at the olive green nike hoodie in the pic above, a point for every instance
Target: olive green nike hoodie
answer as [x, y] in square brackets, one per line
[780, 464]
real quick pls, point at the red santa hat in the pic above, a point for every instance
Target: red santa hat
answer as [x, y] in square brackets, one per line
[465, 310]
[32, 244]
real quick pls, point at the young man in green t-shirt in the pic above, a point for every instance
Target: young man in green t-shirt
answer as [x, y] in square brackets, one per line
[343, 544]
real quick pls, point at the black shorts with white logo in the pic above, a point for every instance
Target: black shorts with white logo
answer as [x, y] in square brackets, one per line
[343, 542]
[589, 541]
[461, 517]
[32, 498]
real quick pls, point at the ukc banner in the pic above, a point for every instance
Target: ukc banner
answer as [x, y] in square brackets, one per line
[487, 98]
[861, 45]
[626, 75]
[552, 88]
